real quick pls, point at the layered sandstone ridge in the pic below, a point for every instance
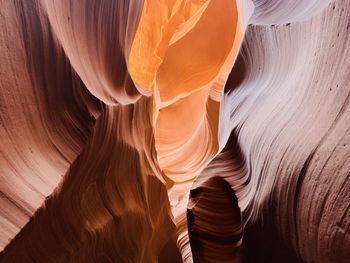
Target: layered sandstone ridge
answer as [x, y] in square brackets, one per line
[193, 130]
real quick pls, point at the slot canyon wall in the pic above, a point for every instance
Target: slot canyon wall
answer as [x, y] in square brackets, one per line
[175, 131]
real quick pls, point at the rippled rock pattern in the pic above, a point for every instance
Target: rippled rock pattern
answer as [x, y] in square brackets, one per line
[175, 131]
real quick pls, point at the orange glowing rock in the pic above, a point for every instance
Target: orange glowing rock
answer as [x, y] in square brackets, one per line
[191, 47]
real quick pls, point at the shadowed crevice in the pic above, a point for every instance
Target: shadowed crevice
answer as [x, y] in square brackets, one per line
[214, 222]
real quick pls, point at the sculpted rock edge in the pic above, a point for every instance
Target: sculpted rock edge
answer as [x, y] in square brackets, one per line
[174, 130]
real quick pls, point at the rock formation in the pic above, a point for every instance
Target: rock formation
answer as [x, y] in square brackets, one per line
[175, 130]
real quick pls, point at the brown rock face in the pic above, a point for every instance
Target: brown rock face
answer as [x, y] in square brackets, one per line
[214, 222]
[175, 131]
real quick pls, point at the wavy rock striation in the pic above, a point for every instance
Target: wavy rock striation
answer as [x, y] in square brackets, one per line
[174, 130]
[46, 114]
[214, 222]
[293, 133]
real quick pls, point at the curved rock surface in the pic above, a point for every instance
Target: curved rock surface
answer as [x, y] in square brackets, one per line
[46, 114]
[269, 12]
[214, 222]
[174, 130]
